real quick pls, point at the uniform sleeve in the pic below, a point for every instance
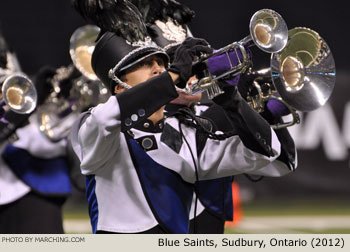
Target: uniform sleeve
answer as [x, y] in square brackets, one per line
[255, 148]
[288, 149]
[98, 136]
[218, 158]
[232, 157]
[141, 101]
[31, 139]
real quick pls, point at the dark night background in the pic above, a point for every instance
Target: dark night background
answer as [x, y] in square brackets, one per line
[39, 32]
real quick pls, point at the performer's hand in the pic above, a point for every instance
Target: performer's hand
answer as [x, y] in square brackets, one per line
[230, 97]
[184, 56]
[171, 52]
[42, 83]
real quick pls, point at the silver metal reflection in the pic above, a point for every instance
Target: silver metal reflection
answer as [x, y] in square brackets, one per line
[82, 44]
[58, 114]
[301, 76]
[304, 72]
[268, 31]
[19, 93]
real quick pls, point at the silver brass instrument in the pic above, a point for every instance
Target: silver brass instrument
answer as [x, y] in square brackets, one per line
[268, 31]
[58, 114]
[82, 45]
[18, 92]
[301, 74]
[304, 72]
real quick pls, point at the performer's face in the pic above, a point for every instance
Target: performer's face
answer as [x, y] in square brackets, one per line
[141, 72]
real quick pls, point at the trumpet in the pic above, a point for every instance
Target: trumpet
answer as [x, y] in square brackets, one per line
[268, 31]
[301, 74]
[18, 93]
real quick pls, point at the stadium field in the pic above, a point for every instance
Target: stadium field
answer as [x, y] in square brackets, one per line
[307, 216]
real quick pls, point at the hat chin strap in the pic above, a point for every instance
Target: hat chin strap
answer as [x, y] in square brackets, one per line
[117, 80]
[124, 85]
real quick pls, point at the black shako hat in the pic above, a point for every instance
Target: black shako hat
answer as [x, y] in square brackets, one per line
[123, 39]
[113, 54]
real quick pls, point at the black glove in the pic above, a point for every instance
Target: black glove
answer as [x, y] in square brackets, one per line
[184, 57]
[171, 52]
[229, 99]
[43, 83]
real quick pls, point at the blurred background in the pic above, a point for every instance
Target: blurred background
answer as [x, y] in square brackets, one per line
[313, 199]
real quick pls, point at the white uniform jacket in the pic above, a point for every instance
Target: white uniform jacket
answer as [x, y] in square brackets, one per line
[35, 164]
[140, 175]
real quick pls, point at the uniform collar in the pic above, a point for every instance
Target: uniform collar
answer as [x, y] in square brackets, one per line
[148, 126]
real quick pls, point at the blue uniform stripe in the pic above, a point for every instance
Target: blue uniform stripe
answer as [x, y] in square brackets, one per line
[216, 194]
[168, 195]
[92, 201]
[47, 176]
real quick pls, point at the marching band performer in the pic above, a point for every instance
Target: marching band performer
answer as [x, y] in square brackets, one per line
[34, 180]
[141, 167]
[11, 187]
[167, 24]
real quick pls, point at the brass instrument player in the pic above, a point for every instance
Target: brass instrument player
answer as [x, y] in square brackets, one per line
[140, 176]
[34, 177]
[212, 203]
